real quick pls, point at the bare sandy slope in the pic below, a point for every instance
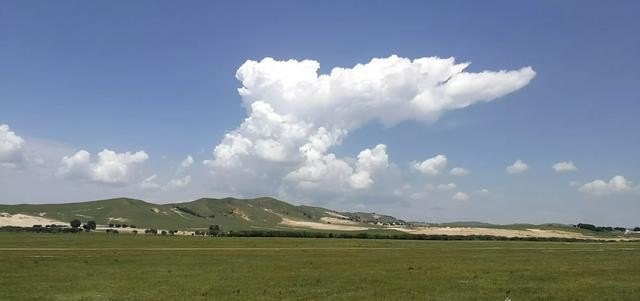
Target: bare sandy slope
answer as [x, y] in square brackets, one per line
[335, 214]
[23, 220]
[493, 232]
[314, 225]
[338, 221]
[320, 226]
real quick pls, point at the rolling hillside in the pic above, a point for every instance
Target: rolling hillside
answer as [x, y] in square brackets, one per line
[229, 213]
[265, 213]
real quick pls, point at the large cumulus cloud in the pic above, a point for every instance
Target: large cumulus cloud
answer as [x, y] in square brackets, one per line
[295, 115]
[11, 146]
[110, 167]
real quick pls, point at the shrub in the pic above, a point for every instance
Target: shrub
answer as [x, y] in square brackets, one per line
[92, 225]
[587, 227]
[75, 223]
[188, 211]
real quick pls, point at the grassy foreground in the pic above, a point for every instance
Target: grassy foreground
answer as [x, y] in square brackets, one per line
[95, 266]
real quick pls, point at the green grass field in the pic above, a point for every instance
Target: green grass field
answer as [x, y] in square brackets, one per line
[95, 266]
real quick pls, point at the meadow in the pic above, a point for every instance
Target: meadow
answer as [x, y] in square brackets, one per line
[96, 266]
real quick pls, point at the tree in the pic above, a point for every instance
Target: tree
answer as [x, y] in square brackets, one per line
[75, 223]
[588, 227]
[110, 225]
[92, 225]
[214, 230]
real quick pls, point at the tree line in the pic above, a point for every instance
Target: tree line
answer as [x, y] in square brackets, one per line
[604, 229]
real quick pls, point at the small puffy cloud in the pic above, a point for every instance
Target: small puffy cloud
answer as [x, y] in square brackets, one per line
[179, 182]
[369, 162]
[11, 146]
[374, 159]
[600, 187]
[574, 183]
[187, 162]
[184, 165]
[460, 196]
[149, 183]
[482, 191]
[77, 165]
[432, 166]
[449, 186]
[564, 166]
[517, 167]
[111, 167]
[459, 171]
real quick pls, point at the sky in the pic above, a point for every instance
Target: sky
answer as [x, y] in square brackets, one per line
[500, 111]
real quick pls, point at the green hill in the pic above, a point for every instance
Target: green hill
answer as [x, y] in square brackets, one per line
[229, 213]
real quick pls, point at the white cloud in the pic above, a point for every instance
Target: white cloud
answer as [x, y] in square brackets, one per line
[186, 163]
[564, 166]
[111, 167]
[460, 196]
[374, 159]
[149, 183]
[574, 183]
[432, 166]
[482, 191]
[179, 182]
[600, 187]
[295, 116]
[449, 186]
[11, 147]
[517, 167]
[459, 171]
[330, 172]
[326, 171]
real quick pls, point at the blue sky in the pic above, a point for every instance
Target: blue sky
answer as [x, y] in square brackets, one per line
[160, 77]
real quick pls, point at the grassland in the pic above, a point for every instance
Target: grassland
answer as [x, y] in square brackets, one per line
[95, 266]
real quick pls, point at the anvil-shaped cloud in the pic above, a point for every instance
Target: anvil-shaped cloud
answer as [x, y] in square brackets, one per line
[295, 115]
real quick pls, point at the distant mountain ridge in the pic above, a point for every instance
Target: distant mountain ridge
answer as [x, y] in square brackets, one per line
[229, 213]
